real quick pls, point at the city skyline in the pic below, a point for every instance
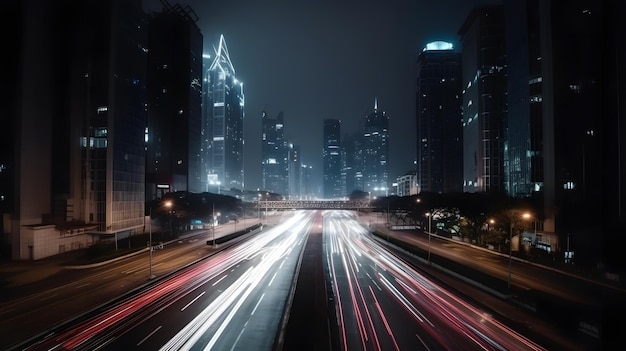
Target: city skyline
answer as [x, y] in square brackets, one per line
[367, 51]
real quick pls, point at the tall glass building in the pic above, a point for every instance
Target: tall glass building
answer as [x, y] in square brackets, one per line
[274, 154]
[222, 126]
[555, 126]
[439, 125]
[375, 144]
[79, 133]
[173, 140]
[484, 99]
[332, 185]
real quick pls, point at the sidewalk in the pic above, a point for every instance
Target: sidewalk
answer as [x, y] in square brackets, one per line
[18, 273]
[376, 222]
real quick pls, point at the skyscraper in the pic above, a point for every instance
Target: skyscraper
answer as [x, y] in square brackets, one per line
[375, 143]
[79, 146]
[484, 99]
[223, 125]
[332, 159]
[174, 102]
[274, 154]
[352, 168]
[439, 119]
[523, 166]
[552, 105]
[295, 172]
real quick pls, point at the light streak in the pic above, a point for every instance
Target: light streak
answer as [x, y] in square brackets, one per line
[451, 321]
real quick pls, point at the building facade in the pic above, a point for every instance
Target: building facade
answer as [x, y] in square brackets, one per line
[439, 119]
[407, 185]
[173, 131]
[332, 185]
[375, 144]
[523, 166]
[222, 122]
[484, 99]
[274, 154]
[80, 159]
[295, 171]
[352, 168]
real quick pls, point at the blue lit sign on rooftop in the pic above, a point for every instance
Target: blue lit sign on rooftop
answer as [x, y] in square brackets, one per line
[439, 45]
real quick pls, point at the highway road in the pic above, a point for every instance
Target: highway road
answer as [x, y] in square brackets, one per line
[31, 309]
[384, 304]
[236, 296]
[235, 299]
[524, 276]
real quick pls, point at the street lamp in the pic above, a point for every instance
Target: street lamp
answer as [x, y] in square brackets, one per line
[213, 226]
[150, 275]
[151, 248]
[387, 224]
[508, 282]
[525, 216]
[429, 215]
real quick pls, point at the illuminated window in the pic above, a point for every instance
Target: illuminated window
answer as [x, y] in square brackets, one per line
[100, 132]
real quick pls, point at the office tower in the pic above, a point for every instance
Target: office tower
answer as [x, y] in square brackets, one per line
[274, 154]
[306, 182]
[9, 100]
[523, 166]
[613, 143]
[375, 144]
[407, 184]
[223, 123]
[564, 98]
[484, 99]
[351, 167]
[206, 139]
[439, 119]
[79, 145]
[295, 171]
[331, 154]
[174, 102]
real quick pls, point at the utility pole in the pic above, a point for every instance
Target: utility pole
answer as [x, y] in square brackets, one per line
[213, 214]
[150, 275]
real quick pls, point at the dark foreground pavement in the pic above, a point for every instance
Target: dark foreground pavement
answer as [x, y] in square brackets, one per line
[308, 327]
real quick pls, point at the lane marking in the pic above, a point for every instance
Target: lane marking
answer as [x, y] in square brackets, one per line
[257, 304]
[219, 280]
[192, 301]
[149, 335]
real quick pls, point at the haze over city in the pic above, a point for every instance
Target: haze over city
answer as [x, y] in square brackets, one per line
[328, 59]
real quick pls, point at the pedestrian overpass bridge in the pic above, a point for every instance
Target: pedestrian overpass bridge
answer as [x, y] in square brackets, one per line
[313, 205]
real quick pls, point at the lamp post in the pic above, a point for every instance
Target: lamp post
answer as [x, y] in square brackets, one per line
[508, 282]
[429, 215]
[171, 215]
[387, 224]
[525, 216]
[244, 217]
[150, 275]
[213, 226]
[151, 247]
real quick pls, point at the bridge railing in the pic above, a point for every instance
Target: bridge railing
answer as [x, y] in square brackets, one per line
[313, 204]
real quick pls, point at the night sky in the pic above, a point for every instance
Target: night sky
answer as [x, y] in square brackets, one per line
[327, 59]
